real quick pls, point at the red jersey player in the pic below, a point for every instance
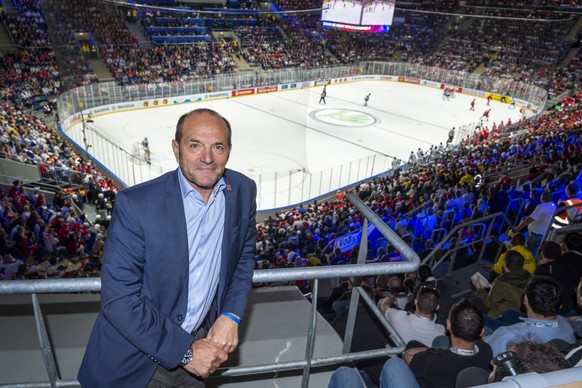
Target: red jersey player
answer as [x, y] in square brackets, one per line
[486, 114]
[472, 105]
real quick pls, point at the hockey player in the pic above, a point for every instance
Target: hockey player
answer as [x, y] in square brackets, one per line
[451, 135]
[146, 147]
[434, 153]
[412, 158]
[395, 163]
[420, 155]
[322, 97]
[441, 148]
[472, 105]
[366, 99]
[489, 98]
[446, 94]
[486, 114]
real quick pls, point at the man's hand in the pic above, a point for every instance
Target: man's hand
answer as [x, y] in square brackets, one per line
[386, 303]
[476, 283]
[206, 357]
[224, 334]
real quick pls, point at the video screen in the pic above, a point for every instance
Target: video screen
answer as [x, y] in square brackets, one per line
[358, 15]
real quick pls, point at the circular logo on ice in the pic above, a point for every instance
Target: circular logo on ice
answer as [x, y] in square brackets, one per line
[344, 117]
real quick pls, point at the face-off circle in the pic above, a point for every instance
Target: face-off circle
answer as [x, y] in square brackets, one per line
[344, 117]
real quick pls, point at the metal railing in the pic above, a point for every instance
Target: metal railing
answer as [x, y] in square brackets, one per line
[552, 232]
[483, 228]
[35, 287]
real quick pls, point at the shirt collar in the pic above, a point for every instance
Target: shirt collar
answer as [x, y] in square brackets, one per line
[186, 188]
[540, 322]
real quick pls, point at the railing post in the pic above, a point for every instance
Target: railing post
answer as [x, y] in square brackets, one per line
[290, 186]
[310, 335]
[275, 192]
[45, 345]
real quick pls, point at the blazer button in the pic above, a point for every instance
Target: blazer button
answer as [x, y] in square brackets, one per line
[180, 317]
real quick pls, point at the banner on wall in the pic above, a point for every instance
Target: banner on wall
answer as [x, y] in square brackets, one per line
[266, 89]
[212, 96]
[243, 92]
[457, 89]
[409, 80]
[349, 241]
[499, 97]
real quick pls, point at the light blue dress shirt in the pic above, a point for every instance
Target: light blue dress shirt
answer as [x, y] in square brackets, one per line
[205, 227]
[535, 329]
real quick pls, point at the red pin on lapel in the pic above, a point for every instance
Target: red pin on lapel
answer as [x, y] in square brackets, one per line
[228, 187]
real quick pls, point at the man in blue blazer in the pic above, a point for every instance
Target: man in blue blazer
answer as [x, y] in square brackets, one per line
[177, 267]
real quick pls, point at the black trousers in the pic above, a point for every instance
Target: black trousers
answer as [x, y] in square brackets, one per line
[178, 377]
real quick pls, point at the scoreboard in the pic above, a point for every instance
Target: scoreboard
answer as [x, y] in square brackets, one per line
[358, 15]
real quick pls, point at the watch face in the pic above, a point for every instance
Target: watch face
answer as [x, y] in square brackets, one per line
[187, 357]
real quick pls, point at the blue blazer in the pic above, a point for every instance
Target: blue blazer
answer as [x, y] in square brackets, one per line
[144, 280]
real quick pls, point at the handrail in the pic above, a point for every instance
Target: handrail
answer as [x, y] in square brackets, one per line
[42, 286]
[555, 234]
[490, 218]
[550, 229]
[46, 286]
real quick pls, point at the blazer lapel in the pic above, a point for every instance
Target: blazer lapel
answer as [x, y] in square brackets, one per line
[175, 212]
[229, 225]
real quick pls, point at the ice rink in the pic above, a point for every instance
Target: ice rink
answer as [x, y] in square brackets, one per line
[290, 131]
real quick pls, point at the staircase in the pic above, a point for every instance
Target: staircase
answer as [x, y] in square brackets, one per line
[142, 39]
[573, 33]
[241, 64]
[9, 8]
[6, 44]
[480, 69]
[101, 70]
[571, 54]
[572, 37]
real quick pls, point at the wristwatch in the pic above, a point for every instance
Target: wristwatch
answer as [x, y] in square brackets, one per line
[187, 357]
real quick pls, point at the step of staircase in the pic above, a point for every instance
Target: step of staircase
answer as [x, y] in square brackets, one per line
[101, 70]
[6, 44]
[142, 39]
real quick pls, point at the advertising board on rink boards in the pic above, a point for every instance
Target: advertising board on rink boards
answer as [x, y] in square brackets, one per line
[152, 103]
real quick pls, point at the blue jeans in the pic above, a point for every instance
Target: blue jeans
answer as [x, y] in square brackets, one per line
[396, 374]
[533, 242]
[345, 377]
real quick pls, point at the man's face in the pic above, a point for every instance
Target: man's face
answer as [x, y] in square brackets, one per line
[203, 151]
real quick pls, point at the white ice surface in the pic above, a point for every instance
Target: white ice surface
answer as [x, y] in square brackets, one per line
[274, 133]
